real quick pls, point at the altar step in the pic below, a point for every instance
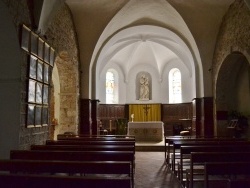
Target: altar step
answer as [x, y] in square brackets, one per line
[149, 146]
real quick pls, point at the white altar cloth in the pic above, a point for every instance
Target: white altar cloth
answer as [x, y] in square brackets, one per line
[146, 131]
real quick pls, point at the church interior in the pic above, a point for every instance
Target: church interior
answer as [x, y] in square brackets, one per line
[149, 69]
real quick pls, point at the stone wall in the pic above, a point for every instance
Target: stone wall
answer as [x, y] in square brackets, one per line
[233, 38]
[234, 35]
[61, 35]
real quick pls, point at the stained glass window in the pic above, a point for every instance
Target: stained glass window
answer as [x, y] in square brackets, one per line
[175, 91]
[111, 87]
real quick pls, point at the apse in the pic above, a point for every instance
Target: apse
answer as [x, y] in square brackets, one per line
[150, 49]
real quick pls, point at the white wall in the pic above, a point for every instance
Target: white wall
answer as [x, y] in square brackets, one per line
[160, 92]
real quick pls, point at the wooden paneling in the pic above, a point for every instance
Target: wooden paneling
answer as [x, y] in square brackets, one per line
[111, 111]
[108, 113]
[95, 116]
[202, 123]
[85, 117]
[172, 114]
[207, 128]
[196, 119]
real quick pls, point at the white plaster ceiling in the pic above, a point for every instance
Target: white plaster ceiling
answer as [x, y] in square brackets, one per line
[196, 22]
[144, 45]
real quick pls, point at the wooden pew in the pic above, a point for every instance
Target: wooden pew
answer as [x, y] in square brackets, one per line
[179, 143]
[186, 150]
[63, 136]
[84, 147]
[198, 158]
[225, 168]
[170, 139]
[168, 142]
[75, 156]
[94, 142]
[41, 181]
[107, 138]
[238, 183]
[65, 167]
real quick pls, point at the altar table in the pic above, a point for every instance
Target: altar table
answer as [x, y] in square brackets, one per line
[146, 131]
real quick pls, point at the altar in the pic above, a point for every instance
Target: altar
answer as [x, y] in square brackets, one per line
[147, 131]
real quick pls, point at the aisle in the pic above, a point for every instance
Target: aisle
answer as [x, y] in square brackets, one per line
[151, 171]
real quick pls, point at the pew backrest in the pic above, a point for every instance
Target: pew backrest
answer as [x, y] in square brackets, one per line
[63, 136]
[127, 156]
[225, 168]
[41, 181]
[68, 167]
[94, 142]
[203, 157]
[168, 141]
[84, 147]
[96, 138]
[238, 183]
[186, 150]
[73, 155]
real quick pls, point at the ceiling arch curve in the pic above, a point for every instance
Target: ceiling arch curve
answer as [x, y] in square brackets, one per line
[145, 44]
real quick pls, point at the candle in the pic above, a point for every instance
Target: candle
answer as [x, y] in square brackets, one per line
[110, 125]
[132, 117]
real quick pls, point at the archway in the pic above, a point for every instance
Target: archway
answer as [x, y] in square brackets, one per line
[232, 91]
[151, 49]
[65, 83]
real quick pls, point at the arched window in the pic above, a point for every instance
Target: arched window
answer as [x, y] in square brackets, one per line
[111, 87]
[175, 92]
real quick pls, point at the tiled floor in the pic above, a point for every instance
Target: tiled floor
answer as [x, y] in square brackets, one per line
[151, 172]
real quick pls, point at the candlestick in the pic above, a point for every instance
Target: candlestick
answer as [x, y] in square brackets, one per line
[110, 125]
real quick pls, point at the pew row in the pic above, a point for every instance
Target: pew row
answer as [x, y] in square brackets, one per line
[85, 138]
[177, 144]
[238, 183]
[84, 147]
[65, 167]
[185, 152]
[76, 156]
[41, 181]
[200, 158]
[108, 137]
[233, 170]
[169, 140]
[93, 142]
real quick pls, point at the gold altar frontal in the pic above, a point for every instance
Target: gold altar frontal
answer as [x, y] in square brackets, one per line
[146, 131]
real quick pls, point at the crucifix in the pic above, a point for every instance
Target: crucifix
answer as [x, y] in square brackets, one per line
[146, 109]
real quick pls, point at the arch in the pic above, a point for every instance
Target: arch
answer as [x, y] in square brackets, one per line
[64, 40]
[236, 95]
[10, 84]
[138, 18]
[66, 80]
[154, 39]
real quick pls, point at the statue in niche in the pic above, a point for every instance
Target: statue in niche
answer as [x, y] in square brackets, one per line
[144, 87]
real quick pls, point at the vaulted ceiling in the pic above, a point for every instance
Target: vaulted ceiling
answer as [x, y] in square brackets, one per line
[99, 25]
[131, 32]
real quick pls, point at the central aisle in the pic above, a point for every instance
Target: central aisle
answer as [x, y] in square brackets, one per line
[151, 172]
